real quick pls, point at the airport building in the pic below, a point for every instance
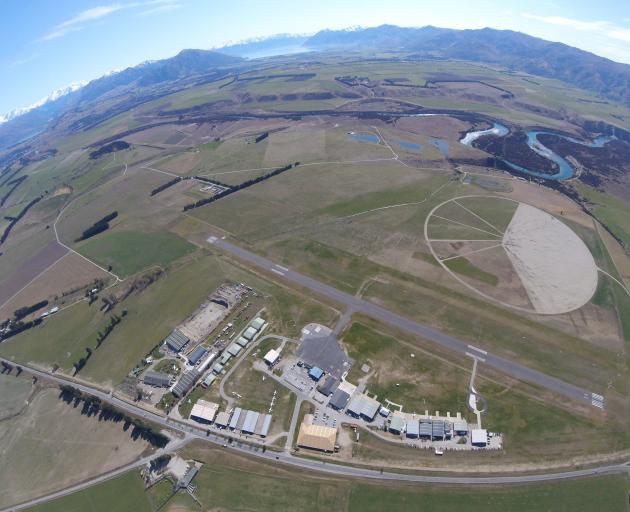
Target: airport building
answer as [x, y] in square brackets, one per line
[316, 437]
[204, 411]
[176, 341]
[157, 379]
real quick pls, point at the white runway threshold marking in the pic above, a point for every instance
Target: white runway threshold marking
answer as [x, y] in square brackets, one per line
[597, 400]
[476, 357]
[472, 347]
[284, 269]
[277, 271]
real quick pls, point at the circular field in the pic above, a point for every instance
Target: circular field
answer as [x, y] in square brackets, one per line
[512, 253]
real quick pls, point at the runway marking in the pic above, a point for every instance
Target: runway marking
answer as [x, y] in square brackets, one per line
[277, 271]
[475, 357]
[285, 269]
[212, 240]
[472, 347]
[597, 401]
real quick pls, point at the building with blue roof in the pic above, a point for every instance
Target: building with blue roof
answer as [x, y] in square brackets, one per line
[316, 373]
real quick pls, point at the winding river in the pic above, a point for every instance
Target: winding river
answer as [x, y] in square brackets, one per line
[565, 170]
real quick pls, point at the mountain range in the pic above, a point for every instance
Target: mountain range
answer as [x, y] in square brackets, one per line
[508, 49]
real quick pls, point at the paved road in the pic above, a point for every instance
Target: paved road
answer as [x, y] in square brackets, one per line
[362, 306]
[191, 432]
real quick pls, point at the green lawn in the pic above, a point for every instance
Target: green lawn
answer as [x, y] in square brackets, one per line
[244, 487]
[604, 493]
[128, 252]
[122, 494]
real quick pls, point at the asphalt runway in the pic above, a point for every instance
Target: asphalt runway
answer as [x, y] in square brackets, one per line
[359, 305]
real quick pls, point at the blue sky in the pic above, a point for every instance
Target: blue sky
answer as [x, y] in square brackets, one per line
[47, 44]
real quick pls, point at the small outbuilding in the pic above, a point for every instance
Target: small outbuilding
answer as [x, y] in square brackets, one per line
[242, 341]
[272, 357]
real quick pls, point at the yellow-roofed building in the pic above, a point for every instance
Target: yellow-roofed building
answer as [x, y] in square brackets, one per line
[316, 437]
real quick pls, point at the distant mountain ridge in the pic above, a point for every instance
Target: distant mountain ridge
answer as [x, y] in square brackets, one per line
[513, 50]
[141, 81]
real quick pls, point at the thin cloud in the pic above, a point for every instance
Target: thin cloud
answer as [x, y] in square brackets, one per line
[84, 18]
[602, 28]
[165, 7]
[78, 21]
[21, 62]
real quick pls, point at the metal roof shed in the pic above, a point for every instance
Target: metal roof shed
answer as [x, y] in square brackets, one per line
[249, 333]
[426, 428]
[258, 323]
[186, 382]
[225, 358]
[438, 429]
[177, 340]
[339, 399]
[217, 368]
[234, 349]
[242, 341]
[209, 380]
[266, 425]
[413, 428]
[203, 411]
[329, 386]
[185, 481]
[479, 437]
[235, 417]
[223, 419]
[157, 379]
[460, 428]
[251, 418]
[397, 424]
[354, 407]
[369, 408]
[196, 356]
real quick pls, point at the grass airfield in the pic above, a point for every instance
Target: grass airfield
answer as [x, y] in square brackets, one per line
[351, 215]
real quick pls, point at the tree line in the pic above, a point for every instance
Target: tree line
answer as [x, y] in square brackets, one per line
[166, 185]
[241, 186]
[17, 218]
[93, 406]
[98, 227]
[27, 310]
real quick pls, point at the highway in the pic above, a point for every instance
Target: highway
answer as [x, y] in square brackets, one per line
[359, 305]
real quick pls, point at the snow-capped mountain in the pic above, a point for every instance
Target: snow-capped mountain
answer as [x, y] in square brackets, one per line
[55, 95]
